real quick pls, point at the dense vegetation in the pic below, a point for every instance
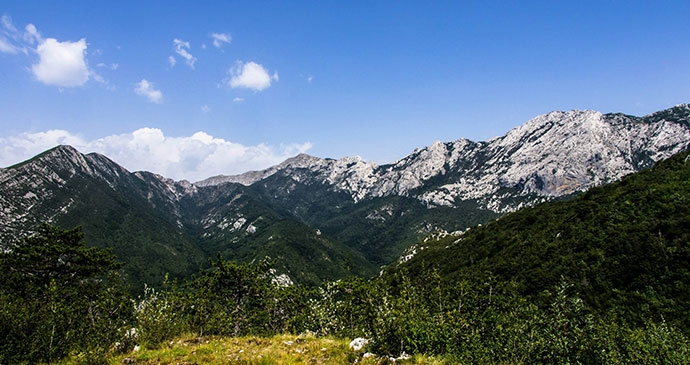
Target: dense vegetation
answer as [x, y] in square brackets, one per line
[624, 247]
[484, 320]
[57, 296]
[599, 279]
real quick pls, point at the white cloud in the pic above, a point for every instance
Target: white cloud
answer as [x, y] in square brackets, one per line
[146, 89]
[98, 78]
[113, 66]
[205, 108]
[237, 100]
[172, 61]
[182, 49]
[61, 63]
[250, 75]
[7, 23]
[309, 79]
[10, 33]
[7, 47]
[31, 34]
[194, 157]
[220, 38]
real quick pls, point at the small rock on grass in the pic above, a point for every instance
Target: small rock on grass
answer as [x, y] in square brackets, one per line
[358, 343]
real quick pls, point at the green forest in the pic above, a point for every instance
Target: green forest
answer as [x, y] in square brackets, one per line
[600, 278]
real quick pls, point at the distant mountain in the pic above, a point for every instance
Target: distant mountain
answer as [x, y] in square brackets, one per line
[324, 218]
[623, 246]
[554, 154]
[381, 210]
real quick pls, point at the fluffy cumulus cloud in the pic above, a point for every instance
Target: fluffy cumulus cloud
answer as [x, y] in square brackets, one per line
[220, 38]
[250, 75]
[182, 50]
[193, 158]
[61, 63]
[146, 89]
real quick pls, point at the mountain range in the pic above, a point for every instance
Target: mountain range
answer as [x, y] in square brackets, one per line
[323, 218]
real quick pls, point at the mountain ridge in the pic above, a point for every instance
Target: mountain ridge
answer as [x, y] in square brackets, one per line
[362, 179]
[322, 218]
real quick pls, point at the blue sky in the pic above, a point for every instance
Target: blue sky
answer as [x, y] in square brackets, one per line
[374, 79]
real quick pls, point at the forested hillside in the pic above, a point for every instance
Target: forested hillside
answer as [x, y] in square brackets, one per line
[624, 247]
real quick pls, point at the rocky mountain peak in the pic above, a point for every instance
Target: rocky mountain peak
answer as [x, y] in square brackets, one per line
[58, 162]
[60, 153]
[302, 160]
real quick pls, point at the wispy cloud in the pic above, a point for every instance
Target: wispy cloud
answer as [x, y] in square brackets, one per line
[8, 32]
[194, 157]
[113, 66]
[146, 89]
[7, 47]
[6, 22]
[220, 38]
[31, 34]
[182, 49]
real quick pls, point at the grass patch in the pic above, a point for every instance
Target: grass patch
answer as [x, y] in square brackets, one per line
[283, 349]
[245, 350]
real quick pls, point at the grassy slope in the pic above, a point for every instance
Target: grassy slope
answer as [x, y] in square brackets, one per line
[285, 349]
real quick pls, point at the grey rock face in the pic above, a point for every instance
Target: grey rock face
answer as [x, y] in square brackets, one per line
[552, 155]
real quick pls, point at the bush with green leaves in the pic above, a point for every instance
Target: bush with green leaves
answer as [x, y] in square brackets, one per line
[159, 316]
[231, 299]
[344, 308]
